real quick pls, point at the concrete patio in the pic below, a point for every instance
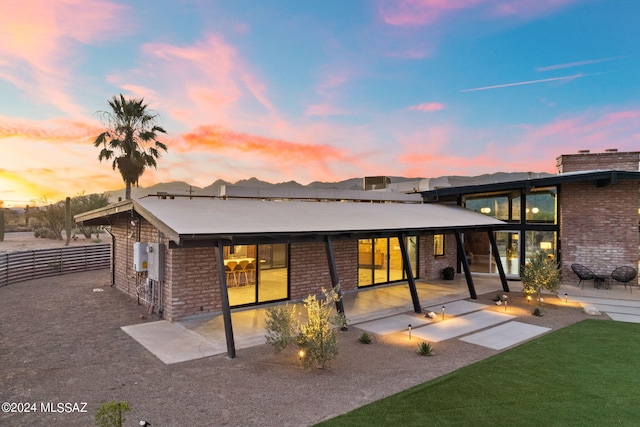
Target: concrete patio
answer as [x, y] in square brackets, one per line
[384, 310]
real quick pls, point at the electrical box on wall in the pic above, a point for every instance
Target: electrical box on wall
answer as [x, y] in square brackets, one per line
[140, 257]
[155, 253]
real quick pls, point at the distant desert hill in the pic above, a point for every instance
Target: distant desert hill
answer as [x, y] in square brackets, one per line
[181, 187]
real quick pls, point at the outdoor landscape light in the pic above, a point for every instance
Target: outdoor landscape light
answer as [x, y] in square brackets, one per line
[528, 299]
[505, 305]
[443, 312]
[409, 332]
[301, 354]
[566, 298]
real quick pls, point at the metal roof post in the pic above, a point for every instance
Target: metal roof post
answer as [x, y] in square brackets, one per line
[333, 271]
[409, 272]
[224, 296]
[465, 266]
[496, 256]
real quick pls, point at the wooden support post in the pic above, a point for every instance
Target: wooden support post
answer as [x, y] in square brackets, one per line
[496, 257]
[462, 256]
[408, 271]
[224, 296]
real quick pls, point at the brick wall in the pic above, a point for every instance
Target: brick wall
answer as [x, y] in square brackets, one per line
[599, 226]
[191, 282]
[627, 161]
[431, 266]
[309, 268]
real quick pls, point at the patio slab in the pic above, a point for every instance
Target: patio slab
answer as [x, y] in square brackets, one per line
[457, 326]
[505, 335]
[392, 324]
[457, 308]
[171, 343]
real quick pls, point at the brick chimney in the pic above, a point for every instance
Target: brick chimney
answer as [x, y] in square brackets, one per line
[610, 159]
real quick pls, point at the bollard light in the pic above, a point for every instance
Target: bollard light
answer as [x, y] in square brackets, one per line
[409, 332]
[566, 298]
[443, 312]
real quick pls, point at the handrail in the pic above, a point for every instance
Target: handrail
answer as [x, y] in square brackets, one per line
[34, 264]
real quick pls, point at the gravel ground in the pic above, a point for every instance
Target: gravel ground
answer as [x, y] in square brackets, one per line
[61, 342]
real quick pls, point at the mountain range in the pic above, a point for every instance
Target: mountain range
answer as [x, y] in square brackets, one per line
[181, 187]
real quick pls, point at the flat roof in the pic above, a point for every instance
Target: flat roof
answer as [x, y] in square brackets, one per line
[182, 219]
[600, 177]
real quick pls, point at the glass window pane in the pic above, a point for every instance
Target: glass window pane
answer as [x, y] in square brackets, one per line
[380, 260]
[438, 245]
[272, 273]
[541, 206]
[412, 248]
[537, 241]
[396, 272]
[365, 262]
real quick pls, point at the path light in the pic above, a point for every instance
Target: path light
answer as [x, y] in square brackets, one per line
[443, 312]
[409, 332]
[528, 299]
[505, 305]
[301, 354]
[566, 298]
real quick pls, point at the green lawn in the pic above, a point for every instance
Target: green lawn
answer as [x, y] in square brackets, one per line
[585, 374]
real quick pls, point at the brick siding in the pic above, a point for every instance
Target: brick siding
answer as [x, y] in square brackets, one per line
[599, 225]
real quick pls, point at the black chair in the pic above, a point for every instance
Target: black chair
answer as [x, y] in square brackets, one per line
[584, 273]
[624, 275]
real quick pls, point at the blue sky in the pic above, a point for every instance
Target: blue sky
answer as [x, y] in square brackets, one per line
[289, 90]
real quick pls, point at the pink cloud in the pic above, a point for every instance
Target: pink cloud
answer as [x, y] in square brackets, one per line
[427, 107]
[528, 8]
[207, 81]
[419, 12]
[323, 110]
[40, 38]
[413, 13]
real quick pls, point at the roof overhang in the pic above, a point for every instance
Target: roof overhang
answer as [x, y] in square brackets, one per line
[601, 178]
[205, 221]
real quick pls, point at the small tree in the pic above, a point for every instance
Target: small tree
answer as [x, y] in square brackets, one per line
[540, 273]
[281, 326]
[317, 339]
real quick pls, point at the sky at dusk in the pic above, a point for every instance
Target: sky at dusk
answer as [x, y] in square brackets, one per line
[314, 90]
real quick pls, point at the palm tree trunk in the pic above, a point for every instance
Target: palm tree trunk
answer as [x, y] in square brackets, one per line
[127, 190]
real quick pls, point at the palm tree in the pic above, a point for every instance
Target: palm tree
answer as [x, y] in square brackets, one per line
[129, 138]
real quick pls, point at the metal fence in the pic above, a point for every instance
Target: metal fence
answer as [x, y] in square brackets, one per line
[27, 265]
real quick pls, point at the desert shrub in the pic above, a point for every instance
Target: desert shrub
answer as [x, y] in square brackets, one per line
[111, 414]
[425, 349]
[365, 338]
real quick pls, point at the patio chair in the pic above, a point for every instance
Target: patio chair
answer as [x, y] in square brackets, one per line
[584, 273]
[624, 275]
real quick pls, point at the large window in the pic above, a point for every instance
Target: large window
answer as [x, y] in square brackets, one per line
[380, 260]
[256, 273]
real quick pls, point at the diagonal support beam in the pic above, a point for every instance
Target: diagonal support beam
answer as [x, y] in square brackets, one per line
[408, 271]
[333, 271]
[465, 266]
[224, 296]
[496, 257]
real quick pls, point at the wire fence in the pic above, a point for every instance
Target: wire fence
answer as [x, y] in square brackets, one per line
[28, 265]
